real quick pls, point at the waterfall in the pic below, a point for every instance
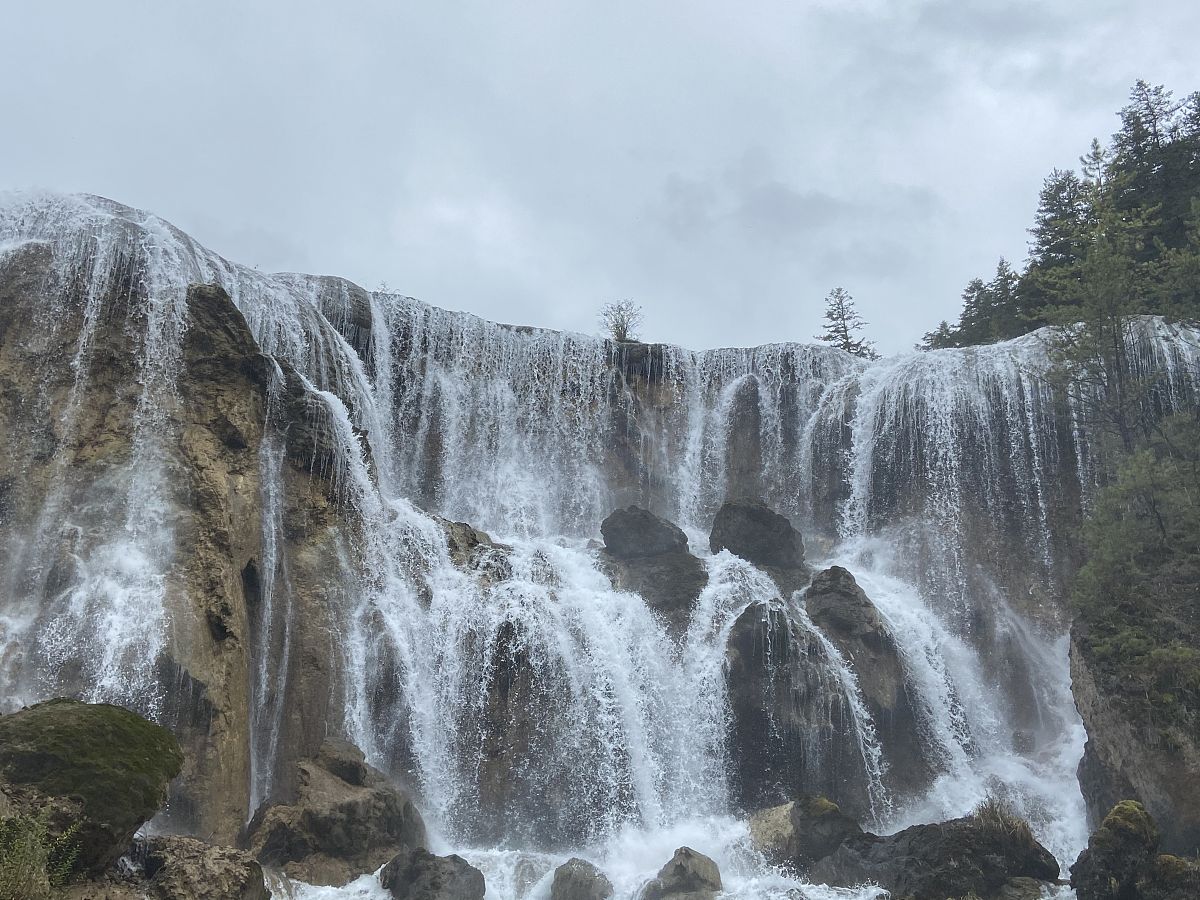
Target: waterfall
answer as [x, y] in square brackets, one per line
[945, 481]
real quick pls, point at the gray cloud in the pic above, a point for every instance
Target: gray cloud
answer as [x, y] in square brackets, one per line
[724, 164]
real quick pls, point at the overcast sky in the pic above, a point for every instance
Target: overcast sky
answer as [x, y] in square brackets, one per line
[723, 163]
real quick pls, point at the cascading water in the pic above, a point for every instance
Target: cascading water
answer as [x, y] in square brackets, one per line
[921, 474]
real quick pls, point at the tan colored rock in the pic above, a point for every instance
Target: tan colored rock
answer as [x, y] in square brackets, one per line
[347, 820]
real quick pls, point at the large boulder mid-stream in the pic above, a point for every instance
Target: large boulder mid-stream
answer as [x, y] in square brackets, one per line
[978, 856]
[688, 876]
[348, 819]
[103, 768]
[420, 875]
[649, 555]
[763, 537]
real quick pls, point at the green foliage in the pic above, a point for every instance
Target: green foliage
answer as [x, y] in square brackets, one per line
[1138, 594]
[33, 859]
[1128, 223]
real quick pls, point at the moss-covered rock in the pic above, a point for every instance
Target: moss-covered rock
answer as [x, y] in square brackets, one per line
[1117, 854]
[110, 763]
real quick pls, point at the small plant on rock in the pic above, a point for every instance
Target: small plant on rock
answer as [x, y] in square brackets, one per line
[33, 859]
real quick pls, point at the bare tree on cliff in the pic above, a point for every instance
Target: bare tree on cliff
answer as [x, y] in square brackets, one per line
[842, 324]
[621, 319]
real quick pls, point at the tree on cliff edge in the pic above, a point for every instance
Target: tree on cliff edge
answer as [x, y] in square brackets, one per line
[621, 319]
[842, 324]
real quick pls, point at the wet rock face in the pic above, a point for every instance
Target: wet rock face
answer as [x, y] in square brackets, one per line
[846, 615]
[649, 555]
[688, 875]
[960, 858]
[107, 767]
[800, 833]
[790, 733]
[348, 820]
[419, 875]
[578, 879]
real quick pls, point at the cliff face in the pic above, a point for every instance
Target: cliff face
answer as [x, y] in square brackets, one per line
[226, 491]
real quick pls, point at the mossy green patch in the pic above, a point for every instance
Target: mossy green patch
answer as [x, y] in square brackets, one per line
[111, 761]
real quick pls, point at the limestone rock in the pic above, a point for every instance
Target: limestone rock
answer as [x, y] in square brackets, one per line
[689, 875]
[109, 761]
[419, 875]
[649, 556]
[348, 819]
[959, 858]
[183, 868]
[578, 879]
[799, 833]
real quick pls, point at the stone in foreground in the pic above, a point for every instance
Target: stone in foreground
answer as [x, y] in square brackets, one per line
[419, 875]
[800, 833]
[578, 879]
[689, 875]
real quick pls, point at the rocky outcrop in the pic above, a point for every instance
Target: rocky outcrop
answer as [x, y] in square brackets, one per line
[688, 876]
[348, 819]
[842, 610]
[105, 767]
[649, 555]
[761, 536]
[182, 868]
[578, 879]
[1122, 861]
[419, 875]
[1121, 762]
[969, 857]
[799, 833]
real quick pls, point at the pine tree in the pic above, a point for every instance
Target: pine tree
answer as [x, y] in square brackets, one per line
[842, 324]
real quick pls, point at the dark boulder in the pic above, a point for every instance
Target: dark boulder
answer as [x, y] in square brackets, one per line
[578, 879]
[419, 875]
[975, 856]
[633, 533]
[1170, 878]
[757, 534]
[649, 556]
[800, 833]
[100, 767]
[348, 819]
[688, 875]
